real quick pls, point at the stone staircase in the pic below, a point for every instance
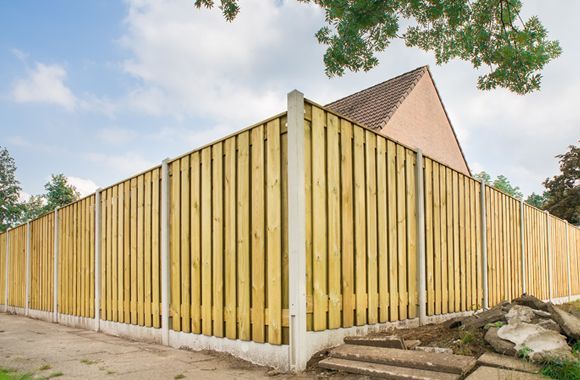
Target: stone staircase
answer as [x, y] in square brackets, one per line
[376, 357]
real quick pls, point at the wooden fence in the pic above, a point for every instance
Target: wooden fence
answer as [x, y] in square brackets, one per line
[227, 246]
[361, 233]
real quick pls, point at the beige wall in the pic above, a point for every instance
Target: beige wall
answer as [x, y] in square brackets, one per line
[420, 122]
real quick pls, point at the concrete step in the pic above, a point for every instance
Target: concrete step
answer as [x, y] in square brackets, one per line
[430, 361]
[390, 341]
[491, 373]
[491, 359]
[383, 370]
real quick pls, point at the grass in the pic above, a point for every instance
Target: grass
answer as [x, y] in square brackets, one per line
[467, 337]
[524, 352]
[562, 370]
[180, 376]
[88, 361]
[45, 367]
[54, 374]
[10, 374]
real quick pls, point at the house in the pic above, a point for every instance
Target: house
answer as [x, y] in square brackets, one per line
[408, 109]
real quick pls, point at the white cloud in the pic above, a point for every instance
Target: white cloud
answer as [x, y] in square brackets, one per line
[125, 164]
[192, 62]
[45, 84]
[114, 135]
[84, 186]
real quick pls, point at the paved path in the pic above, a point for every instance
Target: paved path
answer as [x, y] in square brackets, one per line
[28, 345]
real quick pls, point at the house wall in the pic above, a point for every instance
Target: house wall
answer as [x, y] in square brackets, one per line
[421, 122]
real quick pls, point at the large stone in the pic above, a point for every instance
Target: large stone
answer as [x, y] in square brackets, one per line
[520, 313]
[441, 350]
[390, 341]
[502, 361]
[539, 344]
[568, 322]
[531, 301]
[549, 324]
[479, 320]
[376, 370]
[499, 345]
[430, 361]
[491, 373]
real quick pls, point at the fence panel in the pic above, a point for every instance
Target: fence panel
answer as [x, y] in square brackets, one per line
[453, 240]
[574, 251]
[131, 251]
[536, 252]
[228, 237]
[360, 224]
[76, 285]
[504, 246]
[3, 263]
[559, 256]
[42, 263]
[17, 266]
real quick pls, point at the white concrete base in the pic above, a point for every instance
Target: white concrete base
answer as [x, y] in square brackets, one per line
[561, 300]
[320, 340]
[275, 356]
[141, 333]
[76, 321]
[16, 310]
[41, 314]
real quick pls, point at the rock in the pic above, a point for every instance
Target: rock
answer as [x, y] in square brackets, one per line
[412, 344]
[539, 344]
[455, 322]
[440, 350]
[542, 314]
[390, 341]
[549, 324]
[499, 345]
[568, 323]
[489, 316]
[519, 313]
[502, 361]
[531, 301]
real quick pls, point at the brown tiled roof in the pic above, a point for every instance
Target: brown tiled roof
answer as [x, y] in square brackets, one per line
[374, 106]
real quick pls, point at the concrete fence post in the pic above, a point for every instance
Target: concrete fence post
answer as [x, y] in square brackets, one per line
[165, 291]
[97, 259]
[296, 232]
[484, 246]
[27, 296]
[55, 269]
[7, 262]
[420, 207]
[568, 264]
[523, 247]
[549, 248]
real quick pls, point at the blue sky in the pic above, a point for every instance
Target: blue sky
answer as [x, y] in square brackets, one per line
[99, 90]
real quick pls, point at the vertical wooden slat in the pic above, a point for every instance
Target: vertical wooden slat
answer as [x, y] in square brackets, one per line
[184, 246]
[218, 242]
[133, 221]
[382, 230]
[371, 214]
[429, 248]
[392, 229]
[411, 231]
[230, 238]
[402, 232]
[347, 245]
[206, 238]
[155, 250]
[319, 228]
[195, 249]
[334, 241]
[359, 226]
[273, 240]
[147, 248]
[243, 236]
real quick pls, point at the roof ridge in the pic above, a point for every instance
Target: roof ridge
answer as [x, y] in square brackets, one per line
[423, 68]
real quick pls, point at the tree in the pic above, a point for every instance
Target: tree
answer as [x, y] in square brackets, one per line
[501, 183]
[488, 33]
[9, 191]
[32, 208]
[59, 192]
[563, 190]
[536, 200]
